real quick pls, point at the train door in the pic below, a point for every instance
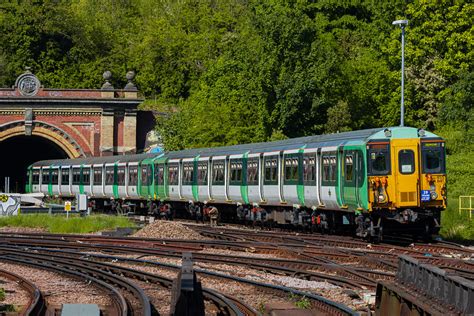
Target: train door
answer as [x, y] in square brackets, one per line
[329, 172]
[405, 156]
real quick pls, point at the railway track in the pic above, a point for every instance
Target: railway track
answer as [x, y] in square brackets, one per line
[36, 304]
[342, 261]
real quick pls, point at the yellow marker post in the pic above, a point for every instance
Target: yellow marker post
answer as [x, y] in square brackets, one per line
[67, 208]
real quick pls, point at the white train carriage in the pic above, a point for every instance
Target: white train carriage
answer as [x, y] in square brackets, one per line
[271, 178]
[254, 176]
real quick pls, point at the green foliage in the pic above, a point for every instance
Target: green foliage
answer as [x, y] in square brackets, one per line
[300, 301]
[229, 72]
[2, 294]
[63, 225]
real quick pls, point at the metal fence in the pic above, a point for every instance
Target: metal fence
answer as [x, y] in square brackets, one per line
[466, 203]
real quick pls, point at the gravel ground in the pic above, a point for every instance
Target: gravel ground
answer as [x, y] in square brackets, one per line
[14, 294]
[168, 230]
[16, 230]
[59, 289]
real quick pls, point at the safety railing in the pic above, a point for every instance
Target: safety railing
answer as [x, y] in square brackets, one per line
[466, 203]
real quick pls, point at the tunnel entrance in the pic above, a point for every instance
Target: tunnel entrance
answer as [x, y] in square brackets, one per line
[18, 152]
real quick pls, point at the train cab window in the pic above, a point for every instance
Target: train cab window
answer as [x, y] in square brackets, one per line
[252, 171]
[109, 175]
[97, 175]
[236, 172]
[433, 157]
[36, 177]
[202, 173]
[188, 173]
[159, 174]
[291, 170]
[379, 159]
[271, 170]
[76, 176]
[406, 161]
[349, 168]
[64, 176]
[309, 169]
[132, 175]
[217, 172]
[173, 174]
[121, 175]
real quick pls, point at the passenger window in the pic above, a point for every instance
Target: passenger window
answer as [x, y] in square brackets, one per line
[76, 176]
[291, 170]
[132, 175]
[109, 175]
[35, 179]
[86, 176]
[54, 176]
[309, 169]
[349, 168]
[329, 169]
[97, 176]
[45, 176]
[202, 173]
[173, 174]
[271, 170]
[188, 173]
[406, 161]
[236, 172]
[218, 172]
[121, 176]
[252, 171]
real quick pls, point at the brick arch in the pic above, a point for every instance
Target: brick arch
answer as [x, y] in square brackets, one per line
[45, 130]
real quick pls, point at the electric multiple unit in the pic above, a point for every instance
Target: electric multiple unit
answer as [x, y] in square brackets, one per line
[390, 177]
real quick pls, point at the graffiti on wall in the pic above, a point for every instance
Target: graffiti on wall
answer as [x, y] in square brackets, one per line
[9, 205]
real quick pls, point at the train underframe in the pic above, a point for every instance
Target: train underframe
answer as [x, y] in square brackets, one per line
[373, 226]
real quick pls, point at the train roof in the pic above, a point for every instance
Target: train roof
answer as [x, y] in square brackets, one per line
[325, 140]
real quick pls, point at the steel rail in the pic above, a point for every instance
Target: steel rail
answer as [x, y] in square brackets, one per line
[320, 302]
[221, 301]
[357, 281]
[79, 266]
[119, 303]
[37, 304]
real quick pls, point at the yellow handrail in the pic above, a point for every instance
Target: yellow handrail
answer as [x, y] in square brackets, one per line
[470, 209]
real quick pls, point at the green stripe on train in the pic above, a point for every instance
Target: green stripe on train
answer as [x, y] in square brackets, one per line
[28, 187]
[195, 179]
[81, 180]
[115, 185]
[162, 189]
[300, 186]
[50, 182]
[244, 187]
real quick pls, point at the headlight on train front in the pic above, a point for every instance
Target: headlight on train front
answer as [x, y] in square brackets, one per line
[434, 195]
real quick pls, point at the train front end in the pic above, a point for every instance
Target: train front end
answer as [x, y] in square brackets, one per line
[407, 180]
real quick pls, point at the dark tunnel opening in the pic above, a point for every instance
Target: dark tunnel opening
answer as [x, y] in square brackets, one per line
[18, 152]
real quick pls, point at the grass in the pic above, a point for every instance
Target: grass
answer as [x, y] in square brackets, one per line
[457, 227]
[61, 224]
